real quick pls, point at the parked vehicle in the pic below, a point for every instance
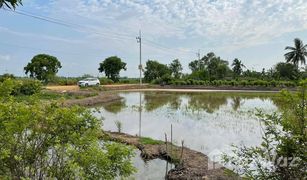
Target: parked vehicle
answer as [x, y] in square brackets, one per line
[89, 82]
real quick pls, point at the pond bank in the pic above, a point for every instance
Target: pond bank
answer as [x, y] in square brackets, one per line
[100, 98]
[189, 164]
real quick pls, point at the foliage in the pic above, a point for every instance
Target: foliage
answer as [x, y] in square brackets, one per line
[176, 68]
[28, 87]
[47, 141]
[286, 71]
[197, 65]
[11, 4]
[147, 140]
[105, 81]
[43, 67]
[112, 66]
[119, 126]
[237, 67]
[251, 83]
[282, 154]
[297, 54]
[155, 70]
[6, 76]
[18, 87]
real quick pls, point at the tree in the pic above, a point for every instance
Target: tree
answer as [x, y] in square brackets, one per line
[43, 67]
[237, 67]
[112, 66]
[176, 68]
[196, 65]
[297, 54]
[11, 4]
[286, 71]
[155, 70]
[217, 68]
[48, 141]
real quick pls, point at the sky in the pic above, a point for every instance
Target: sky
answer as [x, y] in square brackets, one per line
[82, 33]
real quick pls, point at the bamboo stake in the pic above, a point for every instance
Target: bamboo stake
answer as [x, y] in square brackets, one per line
[181, 156]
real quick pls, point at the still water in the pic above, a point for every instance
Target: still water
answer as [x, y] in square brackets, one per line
[208, 122]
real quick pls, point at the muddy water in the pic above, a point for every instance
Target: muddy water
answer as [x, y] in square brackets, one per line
[208, 122]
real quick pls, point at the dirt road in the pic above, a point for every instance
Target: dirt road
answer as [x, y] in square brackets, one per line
[77, 88]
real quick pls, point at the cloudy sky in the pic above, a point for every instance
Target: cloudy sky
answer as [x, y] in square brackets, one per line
[81, 33]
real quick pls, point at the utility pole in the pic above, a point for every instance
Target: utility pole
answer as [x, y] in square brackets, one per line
[139, 40]
[198, 54]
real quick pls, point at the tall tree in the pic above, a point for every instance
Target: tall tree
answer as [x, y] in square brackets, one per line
[237, 67]
[297, 54]
[10, 3]
[286, 71]
[43, 67]
[176, 68]
[155, 70]
[112, 66]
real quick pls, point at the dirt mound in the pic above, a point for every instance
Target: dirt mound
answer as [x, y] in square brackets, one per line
[189, 164]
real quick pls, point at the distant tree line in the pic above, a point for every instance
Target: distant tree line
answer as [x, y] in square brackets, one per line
[212, 67]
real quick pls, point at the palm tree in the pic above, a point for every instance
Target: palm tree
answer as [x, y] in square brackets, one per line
[297, 54]
[10, 3]
[237, 67]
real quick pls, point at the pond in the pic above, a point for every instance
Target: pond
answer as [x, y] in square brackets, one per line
[209, 122]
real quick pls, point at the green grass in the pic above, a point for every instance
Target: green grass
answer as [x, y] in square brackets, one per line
[146, 140]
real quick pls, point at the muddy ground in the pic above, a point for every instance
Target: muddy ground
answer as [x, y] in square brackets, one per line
[189, 164]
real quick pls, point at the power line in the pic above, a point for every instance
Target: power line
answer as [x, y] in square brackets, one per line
[37, 49]
[115, 36]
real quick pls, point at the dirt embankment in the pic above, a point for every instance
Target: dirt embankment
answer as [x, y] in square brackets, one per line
[189, 164]
[84, 97]
[101, 98]
[186, 88]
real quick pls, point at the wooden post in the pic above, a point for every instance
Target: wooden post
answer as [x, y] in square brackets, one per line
[165, 142]
[181, 156]
[166, 168]
[171, 153]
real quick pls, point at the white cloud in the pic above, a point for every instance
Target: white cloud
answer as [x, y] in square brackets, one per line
[5, 57]
[236, 23]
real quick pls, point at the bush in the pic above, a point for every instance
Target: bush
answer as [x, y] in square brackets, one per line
[6, 76]
[18, 87]
[105, 81]
[28, 87]
[166, 79]
[50, 141]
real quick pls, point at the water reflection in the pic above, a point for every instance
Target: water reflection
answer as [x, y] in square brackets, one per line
[115, 107]
[206, 122]
[149, 170]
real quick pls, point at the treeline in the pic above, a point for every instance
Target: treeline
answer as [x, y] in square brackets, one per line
[213, 70]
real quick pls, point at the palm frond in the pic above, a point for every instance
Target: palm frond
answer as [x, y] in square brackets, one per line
[298, 43]
[290, 48]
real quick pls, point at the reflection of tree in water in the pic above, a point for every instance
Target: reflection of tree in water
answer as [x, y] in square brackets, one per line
[155, 100]
[115, 107]
[197, 102]
[236, 102]
[206, 101]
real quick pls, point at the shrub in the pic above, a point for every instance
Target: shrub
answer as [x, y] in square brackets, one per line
[6, 76]
[50, 141]
[18, 87]
[243, 83]
[166, 79]
[28, 87]
[105, 81]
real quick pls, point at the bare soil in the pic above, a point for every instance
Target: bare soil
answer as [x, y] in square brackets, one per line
[189, 164]
[101, 98]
